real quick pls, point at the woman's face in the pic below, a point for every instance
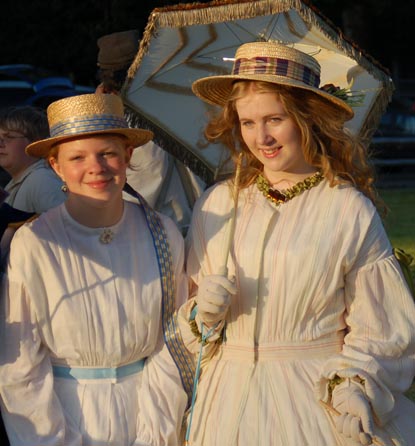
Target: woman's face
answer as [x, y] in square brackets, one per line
[271, 135]
[93, 168]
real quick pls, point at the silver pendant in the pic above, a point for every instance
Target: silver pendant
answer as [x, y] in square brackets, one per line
[106, 236]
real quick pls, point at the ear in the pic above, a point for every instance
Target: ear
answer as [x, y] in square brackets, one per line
[128, 153]
[56, 167]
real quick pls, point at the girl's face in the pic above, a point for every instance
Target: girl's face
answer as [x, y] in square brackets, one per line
[271, 135]
[93, 168]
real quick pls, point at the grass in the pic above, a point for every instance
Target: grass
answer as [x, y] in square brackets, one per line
[400, 226]
[400, 222]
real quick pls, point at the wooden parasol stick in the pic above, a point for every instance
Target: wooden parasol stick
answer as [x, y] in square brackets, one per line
[335, 412]
[230, 230]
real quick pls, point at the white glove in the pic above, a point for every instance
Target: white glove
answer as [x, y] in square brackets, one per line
[355, 420]
[213, 299]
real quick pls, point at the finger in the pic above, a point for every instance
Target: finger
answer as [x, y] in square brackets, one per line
[367, 422]
[219, 300]
[339, 422]
[224, 282]
[364, 412]
[355, 428]
[347, 426]
[216, 288]
[207, 307]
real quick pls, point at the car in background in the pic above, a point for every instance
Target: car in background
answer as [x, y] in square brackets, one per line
[393, 144]
[25, 84]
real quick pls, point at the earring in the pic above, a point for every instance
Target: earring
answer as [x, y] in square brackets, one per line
[64, 187]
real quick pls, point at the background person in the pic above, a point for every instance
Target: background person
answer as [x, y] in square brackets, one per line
[166, 184]
[33, 187]
[83, 357]
[319, 312]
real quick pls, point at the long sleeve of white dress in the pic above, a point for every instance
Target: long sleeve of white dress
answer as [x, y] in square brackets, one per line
[33, 409]
[379, 319]
[319, 293]
[70, 300]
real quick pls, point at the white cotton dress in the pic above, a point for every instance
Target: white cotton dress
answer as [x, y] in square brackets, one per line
[72, 300]
[319, 294]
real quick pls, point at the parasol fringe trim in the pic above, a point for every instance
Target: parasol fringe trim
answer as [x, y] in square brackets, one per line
[372, 121]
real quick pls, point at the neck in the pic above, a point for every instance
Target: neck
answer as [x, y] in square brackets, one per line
[95, 215]
[284, 180]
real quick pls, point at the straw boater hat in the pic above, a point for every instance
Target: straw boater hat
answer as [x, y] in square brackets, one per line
[268, 62]
[117, 50]
[87, 115]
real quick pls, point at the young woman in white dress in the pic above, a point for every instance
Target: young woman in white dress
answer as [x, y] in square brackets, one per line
[310, 337]
[89, 353]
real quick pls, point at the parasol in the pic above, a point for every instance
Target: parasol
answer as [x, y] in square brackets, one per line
[185, 42]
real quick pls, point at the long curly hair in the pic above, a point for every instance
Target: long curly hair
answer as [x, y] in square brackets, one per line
[327, 145]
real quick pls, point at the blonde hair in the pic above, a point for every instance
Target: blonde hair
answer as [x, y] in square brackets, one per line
[327, 145]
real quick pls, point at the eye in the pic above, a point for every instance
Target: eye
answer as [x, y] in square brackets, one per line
[275, 119]
[109, 154]
[247, 124]
[76, 158]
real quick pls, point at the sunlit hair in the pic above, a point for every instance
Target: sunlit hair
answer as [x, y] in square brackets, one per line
[327, 145]
[25, 119]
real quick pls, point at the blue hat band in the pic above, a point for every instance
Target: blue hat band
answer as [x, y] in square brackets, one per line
[87, 124]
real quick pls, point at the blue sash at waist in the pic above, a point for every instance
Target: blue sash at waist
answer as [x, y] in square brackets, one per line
[61, 371]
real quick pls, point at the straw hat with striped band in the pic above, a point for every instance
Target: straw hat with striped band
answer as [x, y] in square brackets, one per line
[268, 62]
[87, 115]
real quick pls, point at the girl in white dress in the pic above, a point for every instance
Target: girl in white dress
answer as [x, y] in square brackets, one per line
[310, 337]
[89, 352]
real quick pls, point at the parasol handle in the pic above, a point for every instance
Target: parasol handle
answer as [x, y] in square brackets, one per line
[230, 230]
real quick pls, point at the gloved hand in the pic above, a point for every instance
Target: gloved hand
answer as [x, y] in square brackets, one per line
[355, 420]
[213, 298]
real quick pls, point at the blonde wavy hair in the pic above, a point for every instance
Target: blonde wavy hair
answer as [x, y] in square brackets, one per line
[327, 145]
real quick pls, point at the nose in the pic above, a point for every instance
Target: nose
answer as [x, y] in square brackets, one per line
[264, 137]
[96, 164]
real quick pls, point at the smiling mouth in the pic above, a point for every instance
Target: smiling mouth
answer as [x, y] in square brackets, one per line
[100, 183]
[271, 152]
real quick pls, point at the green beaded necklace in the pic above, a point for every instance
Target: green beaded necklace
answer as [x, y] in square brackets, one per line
[278, 197]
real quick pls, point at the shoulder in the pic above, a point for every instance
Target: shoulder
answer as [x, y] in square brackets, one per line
[30, 241]
[348, 201]
[219, 196]
[353, 216]
[173, 234]
[42, 173]
[41, 190]
[40, 227]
